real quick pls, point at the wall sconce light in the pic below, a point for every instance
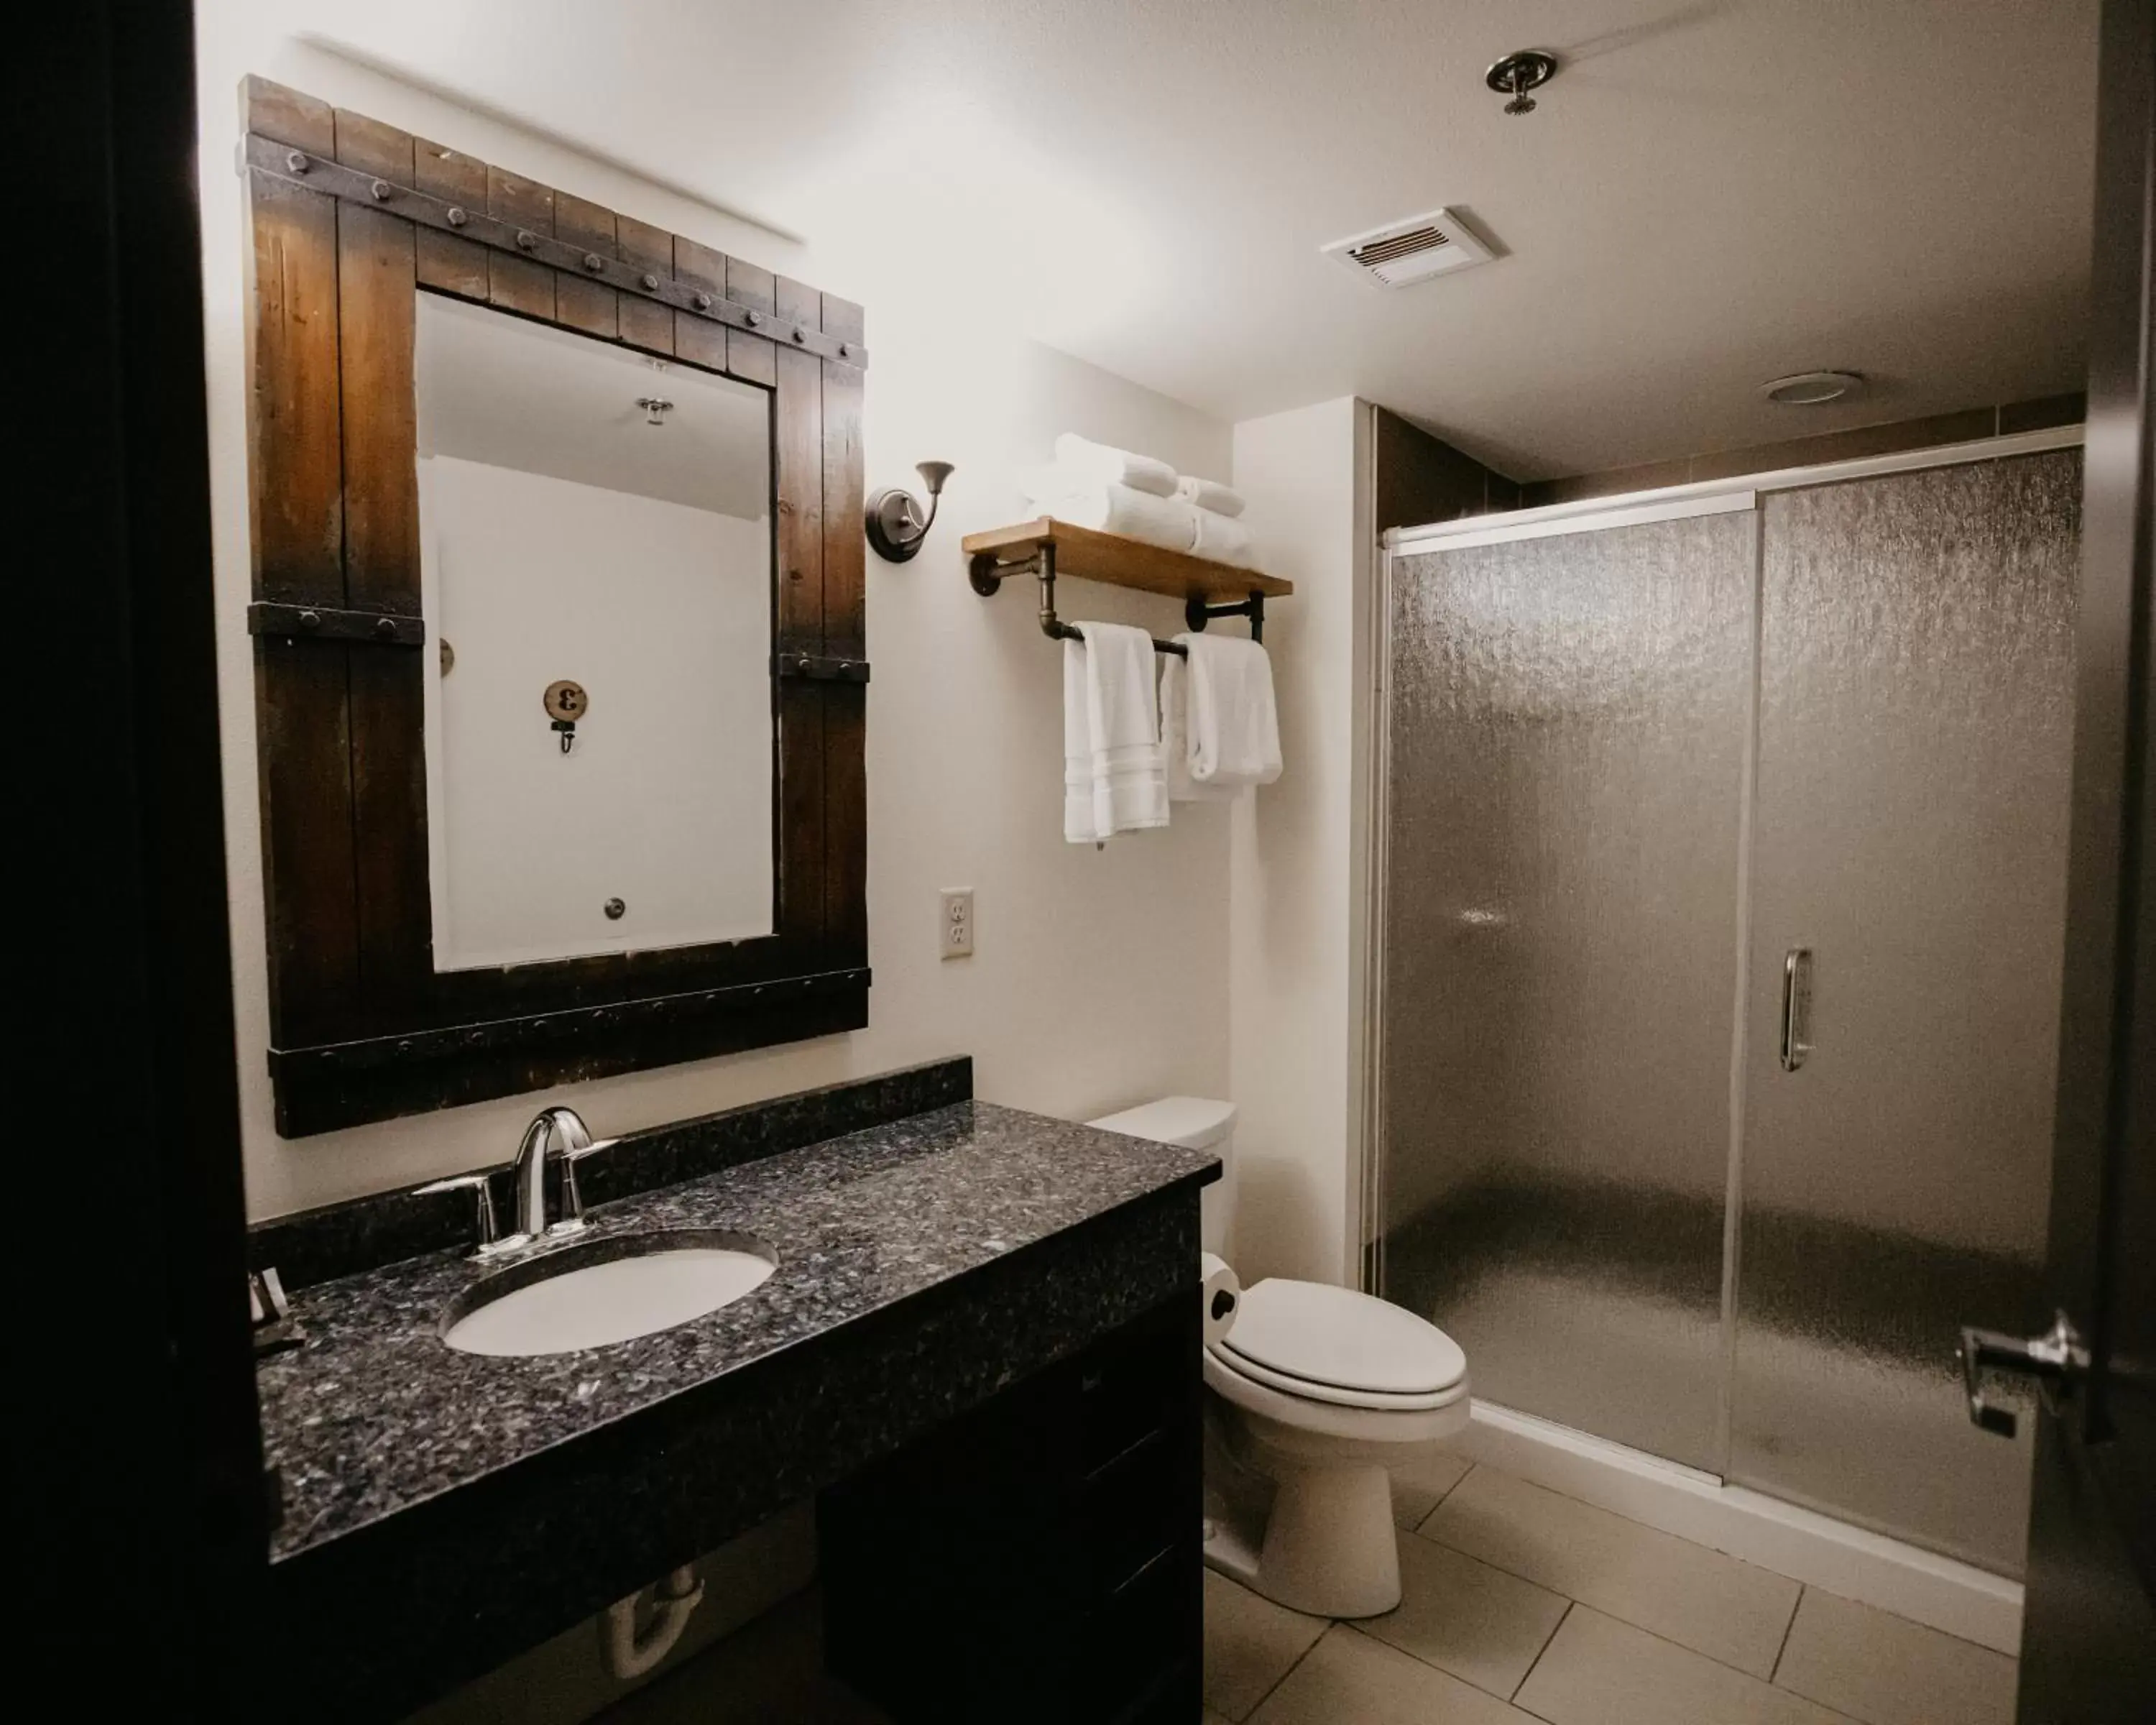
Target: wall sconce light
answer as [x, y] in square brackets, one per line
[895, 524]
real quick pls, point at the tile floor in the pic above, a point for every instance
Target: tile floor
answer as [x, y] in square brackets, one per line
[1522, 1605]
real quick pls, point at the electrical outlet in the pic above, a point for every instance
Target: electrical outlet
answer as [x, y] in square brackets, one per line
[957, 930]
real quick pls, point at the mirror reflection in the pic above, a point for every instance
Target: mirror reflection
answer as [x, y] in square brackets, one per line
[596, 557]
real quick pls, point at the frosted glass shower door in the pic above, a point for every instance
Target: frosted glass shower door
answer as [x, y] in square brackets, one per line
[1915, 709]
[1565, 741]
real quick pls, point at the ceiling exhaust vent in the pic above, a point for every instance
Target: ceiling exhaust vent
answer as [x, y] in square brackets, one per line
[1412, 250]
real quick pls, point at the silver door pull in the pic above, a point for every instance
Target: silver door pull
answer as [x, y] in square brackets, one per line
[2055, 1356]
[1796, 1007]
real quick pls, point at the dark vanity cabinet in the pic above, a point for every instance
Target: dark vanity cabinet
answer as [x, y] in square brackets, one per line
[1039, 1557]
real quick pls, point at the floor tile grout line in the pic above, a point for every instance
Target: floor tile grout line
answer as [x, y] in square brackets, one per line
[1629, 1521]
[1355, 1624]
[1457, 1483]
[1789, 1629]
[1801, 1584]
[1532, 1581]
[1754, 1676]
[1562, 1617]
[1614, 1618]
[1329, 1622]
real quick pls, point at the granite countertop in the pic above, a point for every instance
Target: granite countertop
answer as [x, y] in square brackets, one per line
[375, 1413]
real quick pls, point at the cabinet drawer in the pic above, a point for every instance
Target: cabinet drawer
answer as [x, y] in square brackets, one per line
[1133, 1510]
[1129, 1390]
[1143, 1630]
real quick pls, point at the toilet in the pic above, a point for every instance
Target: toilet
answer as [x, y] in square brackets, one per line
[1319, 1391]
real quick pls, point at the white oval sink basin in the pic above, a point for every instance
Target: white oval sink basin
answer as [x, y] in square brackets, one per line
[606, 1290]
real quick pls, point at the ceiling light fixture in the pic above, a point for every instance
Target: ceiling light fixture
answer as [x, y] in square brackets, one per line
[1813, 389]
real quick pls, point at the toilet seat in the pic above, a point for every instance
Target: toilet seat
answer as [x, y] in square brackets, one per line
[1332, 1344]
[1335, 1429]
[1331, 1395]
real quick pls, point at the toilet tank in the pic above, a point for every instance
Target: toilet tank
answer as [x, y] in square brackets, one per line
[1193, 1123]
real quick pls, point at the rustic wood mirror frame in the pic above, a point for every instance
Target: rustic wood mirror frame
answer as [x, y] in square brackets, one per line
[352, 219]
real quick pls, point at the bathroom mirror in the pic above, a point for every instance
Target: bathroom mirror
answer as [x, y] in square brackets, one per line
[560, 666]
[595, 556]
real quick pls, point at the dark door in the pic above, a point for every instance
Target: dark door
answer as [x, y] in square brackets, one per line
[132, 1423]
[2089, 1643]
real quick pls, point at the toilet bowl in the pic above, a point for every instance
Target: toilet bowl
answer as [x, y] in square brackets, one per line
[1321, 1391]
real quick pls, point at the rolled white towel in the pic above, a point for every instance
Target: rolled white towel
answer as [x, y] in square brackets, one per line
[1209, 493]
[1165, 521]
[1224, 539]
[1103, 465]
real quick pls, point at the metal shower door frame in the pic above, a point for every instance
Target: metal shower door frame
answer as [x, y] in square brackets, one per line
[1588, 515]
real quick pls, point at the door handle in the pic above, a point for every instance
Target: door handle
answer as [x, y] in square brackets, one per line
[1796, 1007]
[2055, 1356]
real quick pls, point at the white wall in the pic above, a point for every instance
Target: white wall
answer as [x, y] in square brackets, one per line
[1298, 856]
[663, 799]
[1100, 979]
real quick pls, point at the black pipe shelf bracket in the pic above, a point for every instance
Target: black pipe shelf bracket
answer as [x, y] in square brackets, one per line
[1033, 550]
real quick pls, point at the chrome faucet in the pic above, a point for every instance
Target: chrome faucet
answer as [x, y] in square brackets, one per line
[556, 1135]
[533, 1151]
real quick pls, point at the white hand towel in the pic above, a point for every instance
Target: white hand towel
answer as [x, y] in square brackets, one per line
[1136, 515]
[1113, 779]
[1078, 828]
[1224, 539]
[1234, 725]
[1103, 465]
[1209, 493]
[1175, 738]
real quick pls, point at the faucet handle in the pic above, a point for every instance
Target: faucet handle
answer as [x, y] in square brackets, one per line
[489, 1241]
[573, 1201]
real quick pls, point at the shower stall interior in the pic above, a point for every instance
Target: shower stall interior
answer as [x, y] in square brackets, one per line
[1722, 846]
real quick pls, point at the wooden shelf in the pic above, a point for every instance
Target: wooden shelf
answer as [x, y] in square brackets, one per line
[1117, 561]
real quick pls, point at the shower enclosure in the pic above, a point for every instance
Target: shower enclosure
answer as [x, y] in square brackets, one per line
[1723, 842]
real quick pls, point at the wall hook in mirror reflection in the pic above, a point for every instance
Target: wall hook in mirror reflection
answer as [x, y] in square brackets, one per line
[895, 524]
[565, 702]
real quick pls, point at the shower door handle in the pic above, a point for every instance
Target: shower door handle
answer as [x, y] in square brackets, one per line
[1796, 1007]
[2055, 1360]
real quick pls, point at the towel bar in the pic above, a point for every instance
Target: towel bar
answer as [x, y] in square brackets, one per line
[988, 576]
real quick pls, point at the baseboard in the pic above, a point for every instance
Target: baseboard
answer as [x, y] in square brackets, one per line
[1805, 1546]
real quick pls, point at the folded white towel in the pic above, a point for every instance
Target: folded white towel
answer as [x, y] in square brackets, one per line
[1103, 465]
[1224, 539]
[1113, 779]
[1117, 509]
[1233, 734]
[1209, 493]
[1175, 738]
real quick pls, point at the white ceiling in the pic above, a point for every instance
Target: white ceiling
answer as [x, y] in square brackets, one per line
[493, 388]
[1714, 192]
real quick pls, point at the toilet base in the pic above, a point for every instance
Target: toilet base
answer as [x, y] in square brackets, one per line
[1328, 1547]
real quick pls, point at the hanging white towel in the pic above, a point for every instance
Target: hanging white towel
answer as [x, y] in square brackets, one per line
[1224, 539]
[1103, 465]
[1233, 726]
[1175, 738]
[1113, 777]
[1209, 493]
[1164, 522]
